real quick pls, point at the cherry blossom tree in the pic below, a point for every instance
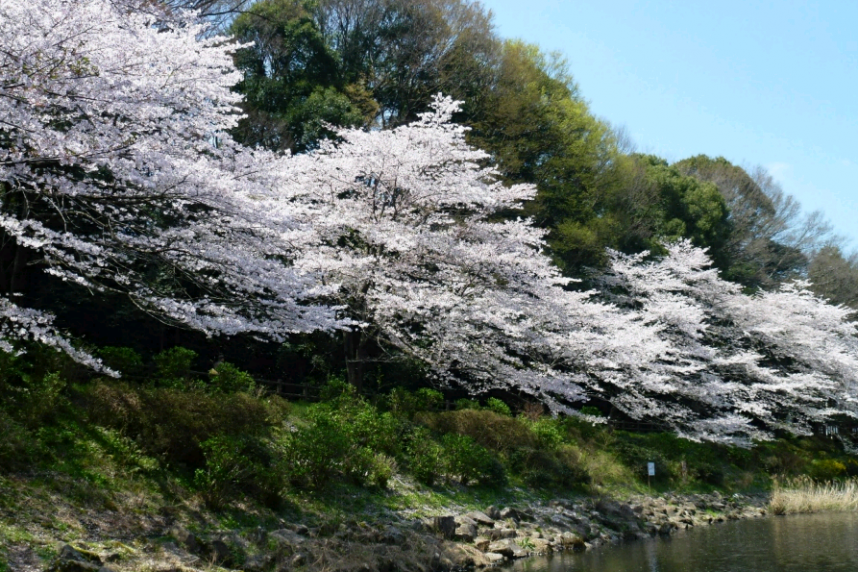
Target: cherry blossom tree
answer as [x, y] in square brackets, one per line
[739, 365]
[413, 230]
[116, 174]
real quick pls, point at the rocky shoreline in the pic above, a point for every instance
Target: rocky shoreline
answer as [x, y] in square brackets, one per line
[440, 543]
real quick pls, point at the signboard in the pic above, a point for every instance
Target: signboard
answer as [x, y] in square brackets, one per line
[650, 469]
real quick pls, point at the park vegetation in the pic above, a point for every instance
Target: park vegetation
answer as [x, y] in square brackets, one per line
[475, 282]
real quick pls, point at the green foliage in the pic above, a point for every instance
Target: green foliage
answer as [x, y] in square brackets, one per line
[124, 360]
[404, 404]
[317, 450]
[173, 423]
[549, 434]
[546, 468]
[425, 456]
[465, 460]
[345, 435]
[292, 84]
[498, 406]
[237, 465]
[174, 366]
[17, 447]
[495, 432]
[465, 403]
[227, 378]
[39, 400]
[591, 410]
[827, 469]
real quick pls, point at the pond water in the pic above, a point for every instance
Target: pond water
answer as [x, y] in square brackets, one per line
[806, 543]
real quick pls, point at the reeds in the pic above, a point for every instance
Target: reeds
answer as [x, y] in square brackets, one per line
[804, 495]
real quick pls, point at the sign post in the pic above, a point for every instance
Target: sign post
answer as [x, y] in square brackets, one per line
[650, 473]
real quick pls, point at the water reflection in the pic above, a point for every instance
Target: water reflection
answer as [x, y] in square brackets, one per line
[811, 543]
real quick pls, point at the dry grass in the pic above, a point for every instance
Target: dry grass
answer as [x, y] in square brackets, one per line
[804, 495]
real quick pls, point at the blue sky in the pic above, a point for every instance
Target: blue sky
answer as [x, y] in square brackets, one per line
[760, 83]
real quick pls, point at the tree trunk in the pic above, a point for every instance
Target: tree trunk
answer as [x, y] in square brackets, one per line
[355, 347]
[18, 275]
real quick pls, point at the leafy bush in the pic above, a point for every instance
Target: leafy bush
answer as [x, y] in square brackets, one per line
[827, 469]
[318, 450]
[425, 456]
[229, 379]
[173, 423]
[546, 468]
[174, 366]
[636, 457]
[345, 436]
[495, 432]
[468, 462]
[17, 447]
[38, 400]
[549, 434]
[405, 404]
[467, 404]
[235, 465]
[498, 406]
[429, 399]
[124, 360]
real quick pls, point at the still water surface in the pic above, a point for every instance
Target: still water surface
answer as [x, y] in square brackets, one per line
[807, 543]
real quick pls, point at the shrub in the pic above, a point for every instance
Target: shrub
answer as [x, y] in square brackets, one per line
[592, 411]
[124, 360]
[380, 432]
[17, 447]
[429, 399]
[173, 423]
[382, 468]
[467, 461]
[39, 399]
[235, 465]
[548, 433]
[227, 378]
[405, 404]
[827, 469]
[425, 456]
[317, 450]
[346, 436]
[548, 468]
[174, 366]
[336, 391]
[467, 404]
[493, 431]
[498, 406]
[636, 457]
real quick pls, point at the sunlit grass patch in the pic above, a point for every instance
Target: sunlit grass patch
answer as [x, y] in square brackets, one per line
[804, 495]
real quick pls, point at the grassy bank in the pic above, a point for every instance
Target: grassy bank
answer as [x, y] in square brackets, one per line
[122, 465]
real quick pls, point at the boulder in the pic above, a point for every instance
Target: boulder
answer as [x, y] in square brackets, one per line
[481, 518]
[508, 548]
[72, 559]
[501, 533]
[572, 541]
[465, 519]
[482, 543]
[445, 525]
[465, 532]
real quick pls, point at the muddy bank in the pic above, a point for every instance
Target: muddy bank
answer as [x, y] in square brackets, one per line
[446, 541]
